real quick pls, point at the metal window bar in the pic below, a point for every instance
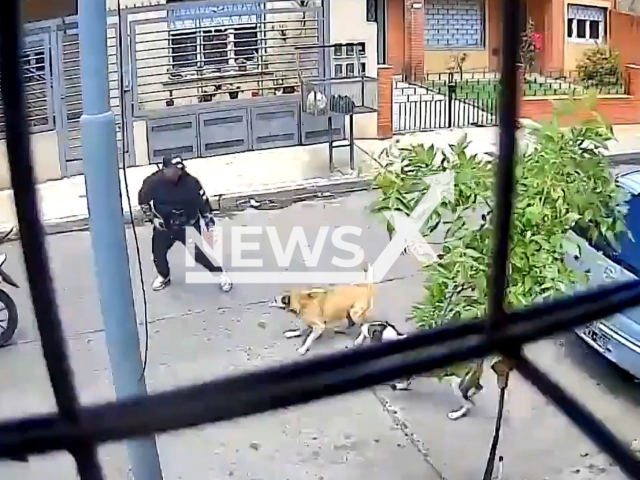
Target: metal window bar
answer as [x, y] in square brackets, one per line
[79, 430]
[36, 60]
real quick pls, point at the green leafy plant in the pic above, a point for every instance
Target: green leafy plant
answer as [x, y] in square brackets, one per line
[600, 67]
[563, 182]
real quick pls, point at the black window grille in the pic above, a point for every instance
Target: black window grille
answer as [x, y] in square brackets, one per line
[79, 430]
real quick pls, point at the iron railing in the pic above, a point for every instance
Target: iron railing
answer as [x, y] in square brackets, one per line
[465, 98]
[80, 429]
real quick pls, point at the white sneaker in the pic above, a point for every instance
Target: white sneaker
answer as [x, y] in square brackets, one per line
[160, 282]
[225, 282]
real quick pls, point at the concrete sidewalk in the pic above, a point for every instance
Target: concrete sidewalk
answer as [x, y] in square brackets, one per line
[286, 174]
[228, 179]
[198, 333]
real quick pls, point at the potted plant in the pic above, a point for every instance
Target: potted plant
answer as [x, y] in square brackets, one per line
[235, 93]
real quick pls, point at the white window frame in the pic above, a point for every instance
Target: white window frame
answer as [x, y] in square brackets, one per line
[573, 17]
[198, 27]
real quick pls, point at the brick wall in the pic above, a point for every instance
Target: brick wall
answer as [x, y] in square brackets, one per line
[413, 67]
[416, 46]
[454, 24]
[385, 101]
[625, 35]
[618, 109]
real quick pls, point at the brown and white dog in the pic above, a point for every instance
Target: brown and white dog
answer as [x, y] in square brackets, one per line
[331, 307]
[337, 306]
[465, 378]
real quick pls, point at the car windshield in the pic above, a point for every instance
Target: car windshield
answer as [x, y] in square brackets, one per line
[628, 255]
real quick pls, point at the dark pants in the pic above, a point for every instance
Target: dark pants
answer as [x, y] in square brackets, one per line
[161, 243]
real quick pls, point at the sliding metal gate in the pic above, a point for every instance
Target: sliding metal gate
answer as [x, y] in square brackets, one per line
[39, 80]
[214, 79]
[70, 88]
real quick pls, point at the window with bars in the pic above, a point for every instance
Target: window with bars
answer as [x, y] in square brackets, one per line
[454, 24]
[586, 24]
[37, 76]
[223, 38]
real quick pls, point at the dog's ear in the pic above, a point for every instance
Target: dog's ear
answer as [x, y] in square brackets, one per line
[376, 333]
[293, 304]
[314, 293]
[286, 300]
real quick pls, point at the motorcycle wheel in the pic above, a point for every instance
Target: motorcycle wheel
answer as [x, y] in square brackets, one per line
[12, 318]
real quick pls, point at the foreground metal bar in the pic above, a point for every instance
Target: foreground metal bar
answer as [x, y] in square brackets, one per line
[108, 238]
[309, 380]
[78, 431]
[505, 183]
[589, 424]
[503, 200]
[32, 236]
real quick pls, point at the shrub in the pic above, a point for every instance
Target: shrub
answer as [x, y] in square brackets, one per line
[563, 181]
[600, 67]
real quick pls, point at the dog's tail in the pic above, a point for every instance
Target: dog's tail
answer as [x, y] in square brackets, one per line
[369, 279]
[368, 272]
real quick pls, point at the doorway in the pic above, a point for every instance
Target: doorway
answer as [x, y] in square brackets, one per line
[381, 19]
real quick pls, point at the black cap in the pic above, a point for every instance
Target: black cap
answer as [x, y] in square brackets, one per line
[173, 162]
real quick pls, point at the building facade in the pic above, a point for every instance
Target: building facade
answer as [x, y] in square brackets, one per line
[195, 78]
[423, 35]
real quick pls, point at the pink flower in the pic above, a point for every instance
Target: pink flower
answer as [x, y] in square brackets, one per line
[536, 38]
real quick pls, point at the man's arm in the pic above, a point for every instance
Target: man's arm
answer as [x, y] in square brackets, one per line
[145, 195]
[204, 206]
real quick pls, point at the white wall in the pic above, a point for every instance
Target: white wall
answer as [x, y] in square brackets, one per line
[348, 23]
[113, 4]
[631, 6]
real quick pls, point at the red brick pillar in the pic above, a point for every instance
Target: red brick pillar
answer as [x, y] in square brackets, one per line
[633, 74]
[396, 35]
[385, 101]
[553, 35]
[414, 39]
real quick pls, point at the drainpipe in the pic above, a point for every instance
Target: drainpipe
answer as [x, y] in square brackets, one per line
[106, 219]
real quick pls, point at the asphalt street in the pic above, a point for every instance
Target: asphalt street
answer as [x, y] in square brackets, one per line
[198, 333]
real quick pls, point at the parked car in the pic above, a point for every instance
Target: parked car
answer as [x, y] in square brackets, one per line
[616, 337]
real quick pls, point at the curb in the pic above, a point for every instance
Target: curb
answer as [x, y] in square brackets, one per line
[266, 199]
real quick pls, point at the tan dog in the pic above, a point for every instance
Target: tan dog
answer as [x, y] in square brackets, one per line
[330, 307]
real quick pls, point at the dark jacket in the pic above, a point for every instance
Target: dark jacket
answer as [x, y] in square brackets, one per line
[174, 205]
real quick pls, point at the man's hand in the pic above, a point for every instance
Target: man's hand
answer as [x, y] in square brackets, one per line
[209, 224]
[146, 209]
[146, 212]
[208, 237]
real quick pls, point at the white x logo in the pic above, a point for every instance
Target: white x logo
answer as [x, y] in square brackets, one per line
[407, 229]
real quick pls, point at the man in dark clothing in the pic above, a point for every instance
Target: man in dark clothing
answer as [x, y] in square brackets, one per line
[175, 200]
